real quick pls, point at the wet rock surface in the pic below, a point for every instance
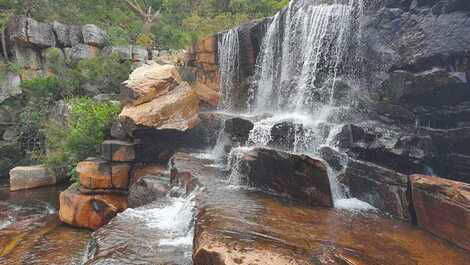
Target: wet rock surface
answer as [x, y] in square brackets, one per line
[299, 177]
[32, 177]
[89, 211]
[443, 208]
[241, 226]
[31, 233]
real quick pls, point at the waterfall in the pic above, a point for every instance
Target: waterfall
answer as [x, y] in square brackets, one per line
[307, 48]
[228, 51]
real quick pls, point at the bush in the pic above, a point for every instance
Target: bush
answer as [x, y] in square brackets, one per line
[87, 127]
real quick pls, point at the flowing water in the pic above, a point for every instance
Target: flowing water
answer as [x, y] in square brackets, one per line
[159, 233]
[305, 49]
[31, 233]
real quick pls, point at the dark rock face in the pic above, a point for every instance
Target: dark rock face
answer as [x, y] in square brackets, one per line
[383, 188]
[147, 189]
[238, 130]
[299, 177]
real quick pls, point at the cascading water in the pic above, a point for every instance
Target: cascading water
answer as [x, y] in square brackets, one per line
[305, 50]
[228, 67]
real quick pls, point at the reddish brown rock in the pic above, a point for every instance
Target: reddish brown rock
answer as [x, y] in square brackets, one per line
[89, 211]
[143, 170]
[298, 177]
[443, 207]
[149, 82]
[177, 110]
[99, 174]
[118, 151]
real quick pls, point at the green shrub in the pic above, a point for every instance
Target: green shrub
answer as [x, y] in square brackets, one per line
[88, 125]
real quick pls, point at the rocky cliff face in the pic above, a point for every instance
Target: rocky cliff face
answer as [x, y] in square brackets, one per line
[413, 95]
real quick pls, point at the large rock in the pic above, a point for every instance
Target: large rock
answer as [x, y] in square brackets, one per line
[177, 110]
[67, 35]
[149, 82]
[94, 36]
[129, 52]
[89, 211]
[148, 189]
[22, 178]
[28, 32]
[119, 151]
[98, 174]
[298, 177]
[382, 188]
[81, 52]
[443, 208]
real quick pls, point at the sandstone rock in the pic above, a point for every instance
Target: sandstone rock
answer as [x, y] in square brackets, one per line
[177, 110]
[130, 52]
[60, 112]
[148, 189]
[99, 174]
[81, 51]
[149, 82]
[29, 32]
[28, 57]
[67, 35]
[298, 177]
[22, 178]
[142, 170]
[206, 94]
[94, 36]
[382, 188]
[10, 86]
[116, 150]
[89, 211]
[443, 208]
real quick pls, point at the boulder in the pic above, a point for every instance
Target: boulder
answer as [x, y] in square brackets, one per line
[177, 110]
[11, 134]
[67, 35]
[129, 52]
[381, 187]
[116, 150]
[142, 170]
[89, 211]
[238, 129]
[28, 32]
[149, 82]
[22, 178]
[99, 174]
[298, 177]
[148, 189]
[81, 51]
[10, 86]
[94, 36]
[443, 207]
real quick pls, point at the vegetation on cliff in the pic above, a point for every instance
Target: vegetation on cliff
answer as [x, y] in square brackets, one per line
[179, 23]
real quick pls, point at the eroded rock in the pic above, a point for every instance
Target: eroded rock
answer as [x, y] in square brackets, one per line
[443, 208]
[89, 211]
[99, 174]
[298, 177]
[149, 82]
[22, 178]
[119, 151]
[176, 110]
[94, 36]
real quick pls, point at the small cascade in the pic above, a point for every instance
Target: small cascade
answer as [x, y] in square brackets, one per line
[228, 51]
[236, 177]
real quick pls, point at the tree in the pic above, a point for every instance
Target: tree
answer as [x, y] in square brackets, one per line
[149, 16]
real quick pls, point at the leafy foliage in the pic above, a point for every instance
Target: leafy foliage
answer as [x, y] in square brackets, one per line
[87, 127]
[180, 22]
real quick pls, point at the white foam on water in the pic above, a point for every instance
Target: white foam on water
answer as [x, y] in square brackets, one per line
[353, 204]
